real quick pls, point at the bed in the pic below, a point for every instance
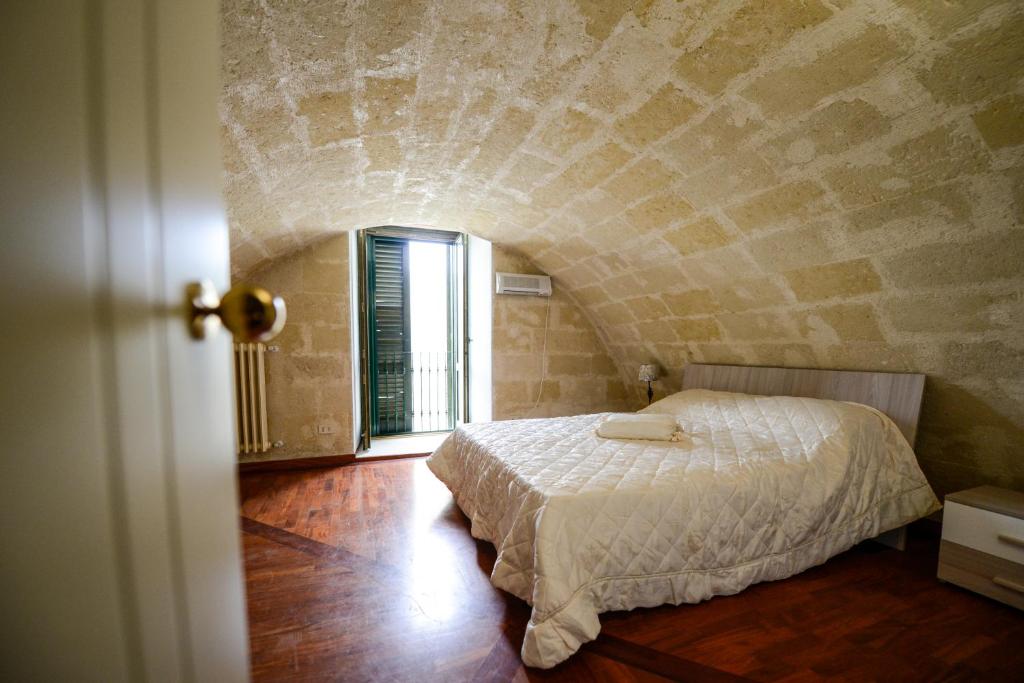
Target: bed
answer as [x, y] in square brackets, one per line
[761, 487]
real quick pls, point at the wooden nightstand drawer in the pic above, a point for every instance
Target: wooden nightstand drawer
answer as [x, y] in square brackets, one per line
[983, 543]
[980, 572]
[984, 530]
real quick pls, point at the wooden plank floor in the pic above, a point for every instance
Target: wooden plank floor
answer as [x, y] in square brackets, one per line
[368, 573]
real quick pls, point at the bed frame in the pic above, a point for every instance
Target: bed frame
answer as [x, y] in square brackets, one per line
[896, 394]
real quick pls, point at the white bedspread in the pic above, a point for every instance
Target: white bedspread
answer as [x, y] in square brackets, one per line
[759, 488]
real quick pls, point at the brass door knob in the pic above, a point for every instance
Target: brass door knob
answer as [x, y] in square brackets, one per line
[251, 313]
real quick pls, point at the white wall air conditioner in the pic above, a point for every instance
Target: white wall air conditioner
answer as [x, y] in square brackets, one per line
[527, 285]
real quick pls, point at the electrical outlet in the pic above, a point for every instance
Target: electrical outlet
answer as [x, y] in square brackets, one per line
[324, 429]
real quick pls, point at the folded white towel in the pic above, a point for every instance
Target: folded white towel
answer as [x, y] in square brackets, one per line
[648, 426]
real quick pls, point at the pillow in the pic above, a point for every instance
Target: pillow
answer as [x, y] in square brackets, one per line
[646, 426]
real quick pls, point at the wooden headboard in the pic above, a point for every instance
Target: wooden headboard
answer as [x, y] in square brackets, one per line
[896, 394]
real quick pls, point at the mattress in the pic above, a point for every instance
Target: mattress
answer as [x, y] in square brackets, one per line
[758, 489]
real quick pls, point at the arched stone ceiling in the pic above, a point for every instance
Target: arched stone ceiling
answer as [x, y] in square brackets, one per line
[831, 183]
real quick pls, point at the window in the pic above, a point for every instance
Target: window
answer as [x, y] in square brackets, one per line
[414, 330]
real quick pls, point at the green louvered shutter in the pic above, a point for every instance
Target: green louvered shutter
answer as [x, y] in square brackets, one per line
[391, 376]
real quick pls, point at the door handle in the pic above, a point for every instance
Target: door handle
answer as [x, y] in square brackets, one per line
[251, 313]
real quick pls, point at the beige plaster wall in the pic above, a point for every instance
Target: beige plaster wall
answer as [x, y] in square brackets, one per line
[309, 380]
[578, 375]
[820, 183]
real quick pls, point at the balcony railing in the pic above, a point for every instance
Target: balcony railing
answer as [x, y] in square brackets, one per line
[415, 392]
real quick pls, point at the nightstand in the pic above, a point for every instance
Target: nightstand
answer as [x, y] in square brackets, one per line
[983, 543]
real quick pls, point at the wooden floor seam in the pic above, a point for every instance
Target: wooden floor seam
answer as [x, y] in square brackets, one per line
[669, 666]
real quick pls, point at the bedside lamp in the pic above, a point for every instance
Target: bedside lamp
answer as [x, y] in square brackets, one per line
[649, 373]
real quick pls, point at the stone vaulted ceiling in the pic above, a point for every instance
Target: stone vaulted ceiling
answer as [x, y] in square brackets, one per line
[825, 183]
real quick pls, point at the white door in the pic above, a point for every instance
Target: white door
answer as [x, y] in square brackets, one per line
[119, 544]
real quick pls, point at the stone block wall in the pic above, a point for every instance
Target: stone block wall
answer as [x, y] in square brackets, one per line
[309, 379]
[578, 375]
[817, 183]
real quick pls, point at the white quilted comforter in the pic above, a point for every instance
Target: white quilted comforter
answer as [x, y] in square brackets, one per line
[760, 488]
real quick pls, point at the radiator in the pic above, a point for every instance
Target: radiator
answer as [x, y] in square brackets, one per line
[251, 433]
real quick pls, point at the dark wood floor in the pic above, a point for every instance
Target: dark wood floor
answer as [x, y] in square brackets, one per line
[368, 573]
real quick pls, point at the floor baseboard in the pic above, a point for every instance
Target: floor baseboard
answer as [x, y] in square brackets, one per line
[318, 462]
[296, 463]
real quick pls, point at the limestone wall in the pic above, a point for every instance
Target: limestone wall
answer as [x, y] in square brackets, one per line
[309, 380]
[820, 183]
[579, 376]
